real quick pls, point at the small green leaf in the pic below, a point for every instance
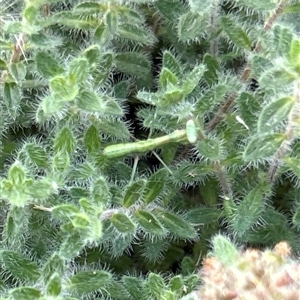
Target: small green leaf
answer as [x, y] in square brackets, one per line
[37, 155]
[294, 164]
[89, 281]
[92, 140]
[294, 8]
[102, 34]
[211, 149]
[3, 65]
[25, 293]
[90, 101]
[112, 21]
[167, 77]
[236, 34]
[19, 266]
[122, 223]
[133, 63]
[47, 65]
[134, 286]
[192, 79]
[54, 285]
[80, 220]
[79, 70]
[64, 212]
[274, 113]
[49, 106]
[133, 193]
[263, 146]
[65, 141]
[92, 54]
[192, 26]
[156, 284]
[149, 222]
[171, 63]
[212, 66]
[12, 98]
[63, 88]
[154, 186]
[54, 265]
[296, 217]
[61, 162]
[283, 38]
[203, 215]
[177, 225]
[16, 175]
[100, 191]
[72, 245]
[176, 283]
[136, 33]
[18, 71]
[224, 250]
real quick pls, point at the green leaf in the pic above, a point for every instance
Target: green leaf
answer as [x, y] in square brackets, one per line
[224, 250]
[49, 106]
[212, 66]
[54, 285]
[112, 21]
[294, 164]
[12, 98]
[54, 265]
[203, 215]
[47, 65]
[80, 220]
[37, 154]
[248, 211]
[149, 222]
[122, 223]
[72, 245]
[156, 284]
[236, 34]
[90, 101]
[92, 54]
[133, 63]
[167, 77]
[294, 56]
[90, 8]
[134, 286]
[192, 79]
[263, 146]
[171, 63]
[294, 8]
[89, 281]
[92, 140]
[100, 191]
[176, 283]
[274, 113]
[3, 65]
[102, 35]
[61, 162]
[133, 192]
[63, 88]
[19, 266]
[79, 70]
[177, 225]
[154, 186]
[25, 293]
[211, 149]
[191, 26]
[283, 38]
[64, 141]
[18, 71]
[296, 217]
[136, 33]
[64, 212]
[16, 175]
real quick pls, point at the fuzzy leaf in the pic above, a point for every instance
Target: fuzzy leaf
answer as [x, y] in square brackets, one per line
[177, 225]
[154, 186]
[156, 284]
[167, 77]
[294, 164]
[296, 217]
[149, 222]
[63, 88]
[54, 265]
[100, 191]
[90, 101]
[25, 293]
[3, 65]
[133, 193]
[54, 285]
[19, 266]
[92, 54]
[102, 35]
[18, 71]
[212, 66]
[12, 98]
[65, 141]
[92, 140]
[134, 286]
[236, 34]
[80, 220]
[122, 223]
[133, 63]
[61, 162]
[136, 33]
[294, 55]
[112, 21]
[47, 65]
[211, 149]
[63, 212]
[72, 245]
[263, 146]
[192, 79]
[49, 106]
[224, 250]
[37, 155]
[171, 63]
[283, 38]
[191, 26]
[274, 113]
[176, 283]
[294, 8]
[79, 70]
[16, 175]
[203, 215]
[89, 281]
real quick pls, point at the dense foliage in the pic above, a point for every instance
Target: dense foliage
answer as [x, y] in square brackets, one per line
[132, 132]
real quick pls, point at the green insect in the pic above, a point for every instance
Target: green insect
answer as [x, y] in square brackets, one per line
[191, 131]
[118, 150]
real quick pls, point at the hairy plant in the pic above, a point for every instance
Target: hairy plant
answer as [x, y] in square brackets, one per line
[132, 132]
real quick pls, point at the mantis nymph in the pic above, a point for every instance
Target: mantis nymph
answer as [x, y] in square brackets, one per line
[190, 134]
